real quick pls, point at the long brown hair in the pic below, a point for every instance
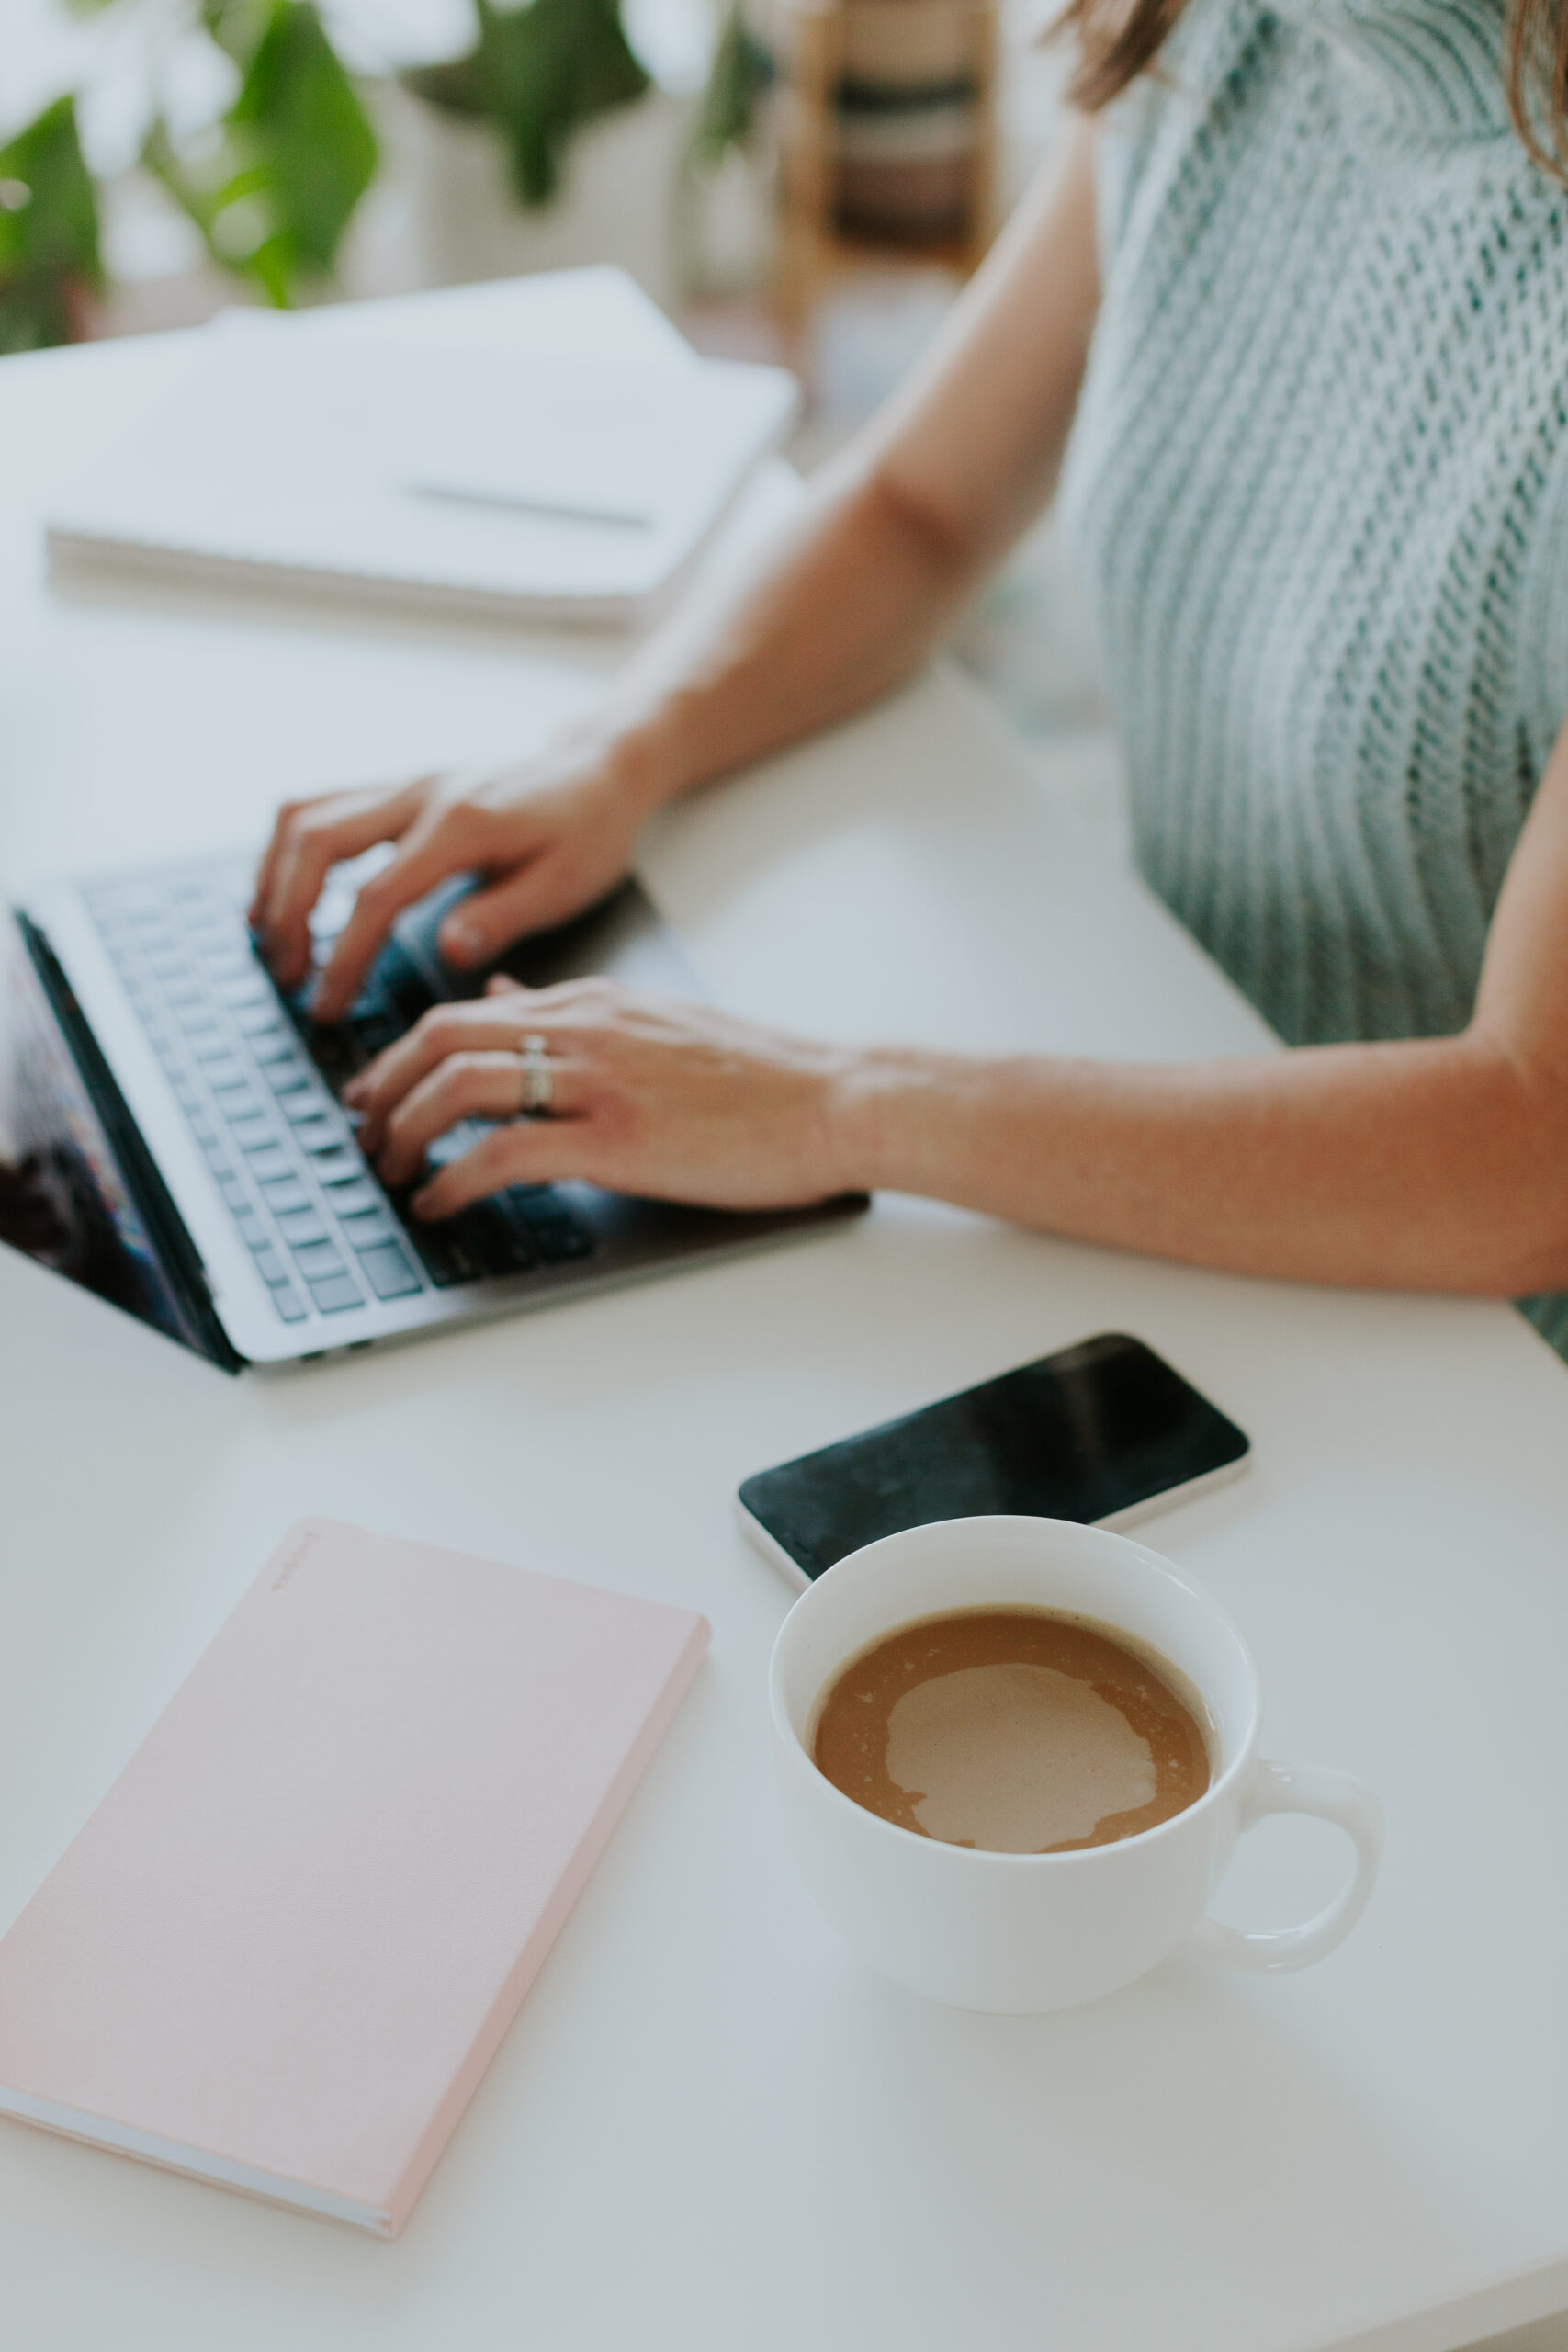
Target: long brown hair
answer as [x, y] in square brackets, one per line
[1119, 40]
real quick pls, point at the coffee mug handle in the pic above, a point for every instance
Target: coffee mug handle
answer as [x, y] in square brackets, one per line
[1332, 1796]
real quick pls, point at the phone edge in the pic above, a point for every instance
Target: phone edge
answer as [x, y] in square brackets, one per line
[1189, 1490]
[771, 1549]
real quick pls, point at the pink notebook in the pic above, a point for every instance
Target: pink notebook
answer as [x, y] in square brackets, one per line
[286, 1945]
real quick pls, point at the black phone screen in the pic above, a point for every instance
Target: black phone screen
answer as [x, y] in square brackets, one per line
[1083, 1434]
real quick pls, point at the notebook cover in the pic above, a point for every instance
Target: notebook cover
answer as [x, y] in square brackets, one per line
[287, 1943]
[369, 431]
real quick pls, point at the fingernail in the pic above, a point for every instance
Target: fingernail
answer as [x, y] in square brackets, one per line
[461, 938]
[421, 1202]
[354, 1091]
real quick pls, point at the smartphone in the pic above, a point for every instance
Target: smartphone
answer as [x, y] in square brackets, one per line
[1103, 1432]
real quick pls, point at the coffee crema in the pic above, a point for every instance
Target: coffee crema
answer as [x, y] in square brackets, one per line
[1021, 1731]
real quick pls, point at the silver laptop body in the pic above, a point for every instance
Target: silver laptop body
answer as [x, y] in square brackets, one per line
[245, 1177]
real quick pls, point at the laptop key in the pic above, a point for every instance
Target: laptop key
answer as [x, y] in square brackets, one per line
[252, 1231]
[300, 1226]
[318, 1135]
[339, 1166]
[559, 1239]
[349, 1198]
[273, 1047]
[303, 1104]
[368, 1226]
[317, 1258]
[254, 1136]
[234, 1193]
[336, 1293]
[390, 1272]
[270, 1267]
[446, 1257]
[500, 1247]
[289, 1305]
[285, 1193]
[249, 989]
[268, 1162]
[372, 1036]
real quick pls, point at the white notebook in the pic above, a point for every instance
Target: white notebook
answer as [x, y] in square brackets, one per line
[548, 448]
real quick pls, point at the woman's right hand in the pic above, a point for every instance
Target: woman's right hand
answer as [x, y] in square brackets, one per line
[547, 838]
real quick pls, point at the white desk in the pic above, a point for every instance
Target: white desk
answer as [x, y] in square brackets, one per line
[709, 2128]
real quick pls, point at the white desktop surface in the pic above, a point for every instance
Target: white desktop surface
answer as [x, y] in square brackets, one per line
[710, 2127]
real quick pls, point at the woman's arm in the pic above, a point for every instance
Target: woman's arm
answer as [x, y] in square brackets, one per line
[897, 531]
[844, 607]
[1440, 1164]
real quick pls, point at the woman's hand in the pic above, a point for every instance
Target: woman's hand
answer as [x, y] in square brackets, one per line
[672, 1101]
[548, 837]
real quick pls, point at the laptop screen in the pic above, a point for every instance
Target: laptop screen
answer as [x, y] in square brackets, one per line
[64, 1196]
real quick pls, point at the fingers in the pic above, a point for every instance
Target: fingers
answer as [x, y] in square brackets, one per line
[465, 1086]
[267, 867]
[529, 899]
[533, 1151]
[309, 838]
[492, 1022]
[430, 854]
[491, 1025]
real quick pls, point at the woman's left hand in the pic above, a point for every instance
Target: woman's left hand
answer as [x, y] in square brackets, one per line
[672, 1101]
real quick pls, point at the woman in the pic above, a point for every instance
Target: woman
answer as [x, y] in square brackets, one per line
[1304, 286]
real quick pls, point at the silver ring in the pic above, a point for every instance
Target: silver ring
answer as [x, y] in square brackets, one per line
[538, 1078]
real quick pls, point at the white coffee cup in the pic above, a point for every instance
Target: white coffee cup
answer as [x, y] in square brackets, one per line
[1044, 1931]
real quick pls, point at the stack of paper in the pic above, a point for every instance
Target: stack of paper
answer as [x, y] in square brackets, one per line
[544, 449]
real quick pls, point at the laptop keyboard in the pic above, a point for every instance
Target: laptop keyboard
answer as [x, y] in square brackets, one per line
[258, 1082]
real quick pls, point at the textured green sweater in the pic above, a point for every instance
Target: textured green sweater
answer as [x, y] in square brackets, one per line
[1319, 487]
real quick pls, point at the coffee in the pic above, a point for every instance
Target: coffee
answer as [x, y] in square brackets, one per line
[1018, 1730]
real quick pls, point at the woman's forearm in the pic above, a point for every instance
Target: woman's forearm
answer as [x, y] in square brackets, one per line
[842, 608]
[1433, 1165]
[851, 597]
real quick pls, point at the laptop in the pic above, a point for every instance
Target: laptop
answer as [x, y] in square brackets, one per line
[171, 1135]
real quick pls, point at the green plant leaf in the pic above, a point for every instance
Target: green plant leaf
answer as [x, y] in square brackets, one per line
[273, 187]
[48, 233]
[741, 69]
[538, 74]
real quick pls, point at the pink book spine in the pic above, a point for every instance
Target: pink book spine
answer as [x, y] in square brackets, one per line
[531, 1959]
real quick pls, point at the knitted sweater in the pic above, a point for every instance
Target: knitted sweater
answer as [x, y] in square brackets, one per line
[1319, 488]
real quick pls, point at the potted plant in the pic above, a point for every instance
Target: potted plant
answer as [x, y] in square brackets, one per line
[273, 179]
